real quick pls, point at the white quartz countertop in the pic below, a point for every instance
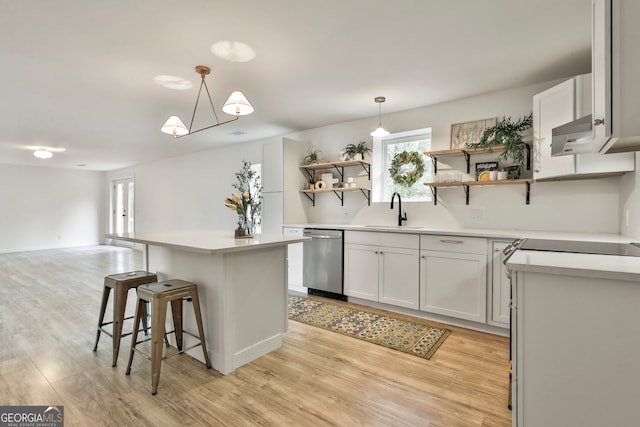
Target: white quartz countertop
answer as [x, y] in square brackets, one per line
[206, 241]
[507, 235]
[572, 264]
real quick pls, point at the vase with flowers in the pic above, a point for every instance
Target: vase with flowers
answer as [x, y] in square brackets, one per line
[248, 202]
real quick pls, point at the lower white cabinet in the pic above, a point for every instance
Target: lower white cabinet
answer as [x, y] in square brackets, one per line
[499, 288]
[386, 274]
[294, 260]
[453, 278]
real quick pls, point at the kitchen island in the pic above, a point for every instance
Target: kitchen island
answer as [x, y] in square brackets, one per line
[242, 284]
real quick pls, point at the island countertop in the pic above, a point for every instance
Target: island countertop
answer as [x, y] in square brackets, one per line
[206, 241]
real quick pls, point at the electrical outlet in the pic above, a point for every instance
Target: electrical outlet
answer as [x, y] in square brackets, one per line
[476, 214]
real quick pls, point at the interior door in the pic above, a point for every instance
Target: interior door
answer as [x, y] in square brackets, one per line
[122, 207]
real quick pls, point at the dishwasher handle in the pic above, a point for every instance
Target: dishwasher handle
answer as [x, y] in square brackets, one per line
[323, 236]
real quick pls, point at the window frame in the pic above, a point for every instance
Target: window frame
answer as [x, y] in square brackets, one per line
[380, 174]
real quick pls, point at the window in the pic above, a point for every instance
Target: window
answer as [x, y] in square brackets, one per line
[385, 149]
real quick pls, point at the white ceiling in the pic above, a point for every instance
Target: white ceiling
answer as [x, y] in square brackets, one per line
[78, 75]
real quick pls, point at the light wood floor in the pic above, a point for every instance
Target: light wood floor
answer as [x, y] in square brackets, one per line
[49, 304]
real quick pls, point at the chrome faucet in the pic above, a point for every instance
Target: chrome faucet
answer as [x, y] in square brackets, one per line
[400, 216]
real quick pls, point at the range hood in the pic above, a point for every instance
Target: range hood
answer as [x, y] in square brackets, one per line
[575, 137]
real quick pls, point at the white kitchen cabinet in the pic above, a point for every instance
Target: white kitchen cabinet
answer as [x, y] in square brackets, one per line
[575, 348]
[361, 271]
[453, 278]
[616, 66]
[556, 106]
[281, 180]
[272, 212]
[551, 108]
[294, 260]
[499, 288]
[272, 166]
[382, 267]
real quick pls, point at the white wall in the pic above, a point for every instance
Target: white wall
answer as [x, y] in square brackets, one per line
[587, 206]
[45, 208]
[188, 192]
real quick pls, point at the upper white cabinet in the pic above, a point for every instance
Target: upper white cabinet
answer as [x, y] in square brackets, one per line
[551, 108]
[273, 166]
[560, 104]
[616, 67]
[281, 180]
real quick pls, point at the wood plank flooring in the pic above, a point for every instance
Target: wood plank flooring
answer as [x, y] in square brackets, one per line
[49, 303]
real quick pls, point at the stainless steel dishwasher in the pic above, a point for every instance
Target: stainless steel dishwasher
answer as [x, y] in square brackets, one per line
[323, 263]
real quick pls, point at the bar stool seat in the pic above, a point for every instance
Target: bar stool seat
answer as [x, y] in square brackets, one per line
[121, 284]
[160, 295]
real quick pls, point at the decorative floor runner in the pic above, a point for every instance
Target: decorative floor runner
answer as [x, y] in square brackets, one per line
[408, 337]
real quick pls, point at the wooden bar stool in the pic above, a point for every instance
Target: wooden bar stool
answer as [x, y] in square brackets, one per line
[121, 283]
[160, 295]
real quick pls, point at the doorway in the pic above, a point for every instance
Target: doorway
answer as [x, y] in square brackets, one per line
[122, 208]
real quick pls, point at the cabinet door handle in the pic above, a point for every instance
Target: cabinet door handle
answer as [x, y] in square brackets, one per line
[455, 242]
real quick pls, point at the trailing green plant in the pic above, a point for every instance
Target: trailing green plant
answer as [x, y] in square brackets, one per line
[407, 167]
[351, 150]
[509, 134]
[312, 157]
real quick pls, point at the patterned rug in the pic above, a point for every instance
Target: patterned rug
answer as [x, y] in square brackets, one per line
[408, 337]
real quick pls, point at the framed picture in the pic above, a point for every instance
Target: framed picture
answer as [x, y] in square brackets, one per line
[469, 132]
[485, 167]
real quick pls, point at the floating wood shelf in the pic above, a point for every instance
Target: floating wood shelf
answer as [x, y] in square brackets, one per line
[467, 184]
[339, 167]
[311, 194]
[466, 153]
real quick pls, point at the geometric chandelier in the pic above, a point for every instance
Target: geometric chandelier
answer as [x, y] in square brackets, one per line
[237, 105]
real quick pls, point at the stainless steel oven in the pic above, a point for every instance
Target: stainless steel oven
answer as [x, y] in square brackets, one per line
[323, 262]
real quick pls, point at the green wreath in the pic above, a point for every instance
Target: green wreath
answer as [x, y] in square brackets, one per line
[407, 168]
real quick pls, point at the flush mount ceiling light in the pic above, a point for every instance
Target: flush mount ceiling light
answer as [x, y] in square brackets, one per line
[379, 130]
[43, 154]
[237, 105]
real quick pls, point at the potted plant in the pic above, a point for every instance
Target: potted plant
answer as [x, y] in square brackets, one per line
[313, 157]
[355, 151]
[509, 134]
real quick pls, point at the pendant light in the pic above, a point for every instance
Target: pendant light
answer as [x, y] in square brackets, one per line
[380, 131]
[236, 105]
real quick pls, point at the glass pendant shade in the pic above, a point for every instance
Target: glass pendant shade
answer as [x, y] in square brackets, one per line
[237, 105]
[174, 126]
[380, 131]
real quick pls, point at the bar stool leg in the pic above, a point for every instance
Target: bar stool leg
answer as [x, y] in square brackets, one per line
[119, 306]
[176, 311]
[140, 309]
[158, 318]
[198, 314]
[103, 308]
